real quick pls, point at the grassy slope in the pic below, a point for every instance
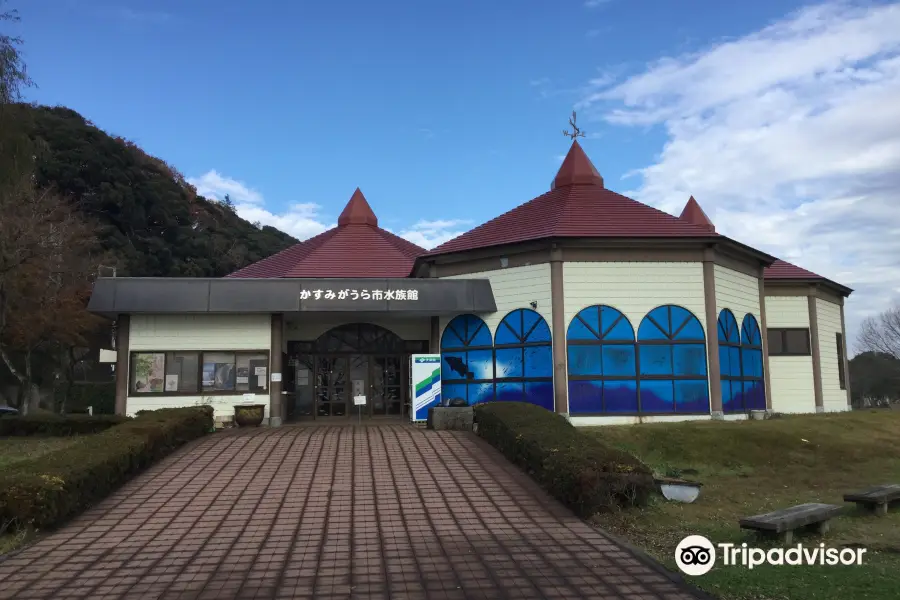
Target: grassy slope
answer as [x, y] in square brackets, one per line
[756, 466]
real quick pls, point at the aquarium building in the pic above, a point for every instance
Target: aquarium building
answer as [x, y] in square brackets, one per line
[581, 300]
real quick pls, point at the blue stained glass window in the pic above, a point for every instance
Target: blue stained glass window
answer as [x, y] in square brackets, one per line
[740, 355]
[523, 359]
[601, 362]
[752, 365]
[672, 362]
[467, 360]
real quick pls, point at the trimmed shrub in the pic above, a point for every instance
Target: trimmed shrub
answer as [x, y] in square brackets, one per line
[577, 469]
[54, 425]
[51, 488]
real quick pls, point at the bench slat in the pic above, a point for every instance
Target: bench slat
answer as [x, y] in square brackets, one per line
[791, 518]
[876, 495]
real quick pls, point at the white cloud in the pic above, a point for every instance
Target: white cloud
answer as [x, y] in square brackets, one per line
[304, 220]
[429, 234]
[790, 139]
[214, 185]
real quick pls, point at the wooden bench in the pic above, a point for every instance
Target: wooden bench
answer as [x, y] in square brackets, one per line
[783, 522]
[877, 498]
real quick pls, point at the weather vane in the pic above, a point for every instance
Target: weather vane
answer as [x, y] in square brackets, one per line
[576, 132]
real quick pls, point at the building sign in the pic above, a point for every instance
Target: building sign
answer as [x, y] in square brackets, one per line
[425, 384]
[348, 294]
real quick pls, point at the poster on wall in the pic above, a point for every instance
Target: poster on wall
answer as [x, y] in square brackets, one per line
[425, 384]
[218, 376]
[171, 383]
[149, 372]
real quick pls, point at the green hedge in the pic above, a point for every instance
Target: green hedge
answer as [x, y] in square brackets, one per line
[57, 425]
[49, 489]
[580, 471]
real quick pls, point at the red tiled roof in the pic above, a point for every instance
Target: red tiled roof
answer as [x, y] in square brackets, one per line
[357, 247]
[781, 270]
[784, 270]
[577, 205]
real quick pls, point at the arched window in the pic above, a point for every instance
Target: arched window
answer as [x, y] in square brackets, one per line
[752, 363]
[467, 361]
[523, 359]
[601, 362]
[730, 362]
[672, 358]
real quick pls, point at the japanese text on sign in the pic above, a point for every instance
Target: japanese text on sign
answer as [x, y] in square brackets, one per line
[359, 294]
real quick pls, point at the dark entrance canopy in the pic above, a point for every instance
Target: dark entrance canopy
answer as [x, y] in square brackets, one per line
[400, 296]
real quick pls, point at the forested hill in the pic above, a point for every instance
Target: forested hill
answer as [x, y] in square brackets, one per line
[146, 214]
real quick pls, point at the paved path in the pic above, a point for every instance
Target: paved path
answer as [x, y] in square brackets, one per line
[326, 513]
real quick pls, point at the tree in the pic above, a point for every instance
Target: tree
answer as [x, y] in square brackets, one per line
[874, 379]
[881, 333]
[48, 256]
[13, 74]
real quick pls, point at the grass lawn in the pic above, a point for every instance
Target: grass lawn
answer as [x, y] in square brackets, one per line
[753, 467]
[17, 449]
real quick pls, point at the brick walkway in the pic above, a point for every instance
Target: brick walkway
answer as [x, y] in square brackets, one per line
[331, 512]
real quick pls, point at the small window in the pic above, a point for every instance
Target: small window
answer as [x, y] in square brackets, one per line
[252, 373]
[842, 375]
[775, 339]
[183, 372]
[219, 371]
[148, 372]
[789, 342]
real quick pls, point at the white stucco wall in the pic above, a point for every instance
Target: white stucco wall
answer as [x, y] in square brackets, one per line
[828, 315]
[791, 376]
[634, 288]
[737, 292]
[514, 287]
[198, 332]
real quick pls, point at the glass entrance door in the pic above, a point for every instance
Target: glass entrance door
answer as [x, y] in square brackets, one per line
[331, 386]
[387, 388]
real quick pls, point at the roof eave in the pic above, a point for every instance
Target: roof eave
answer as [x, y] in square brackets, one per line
[828, 283]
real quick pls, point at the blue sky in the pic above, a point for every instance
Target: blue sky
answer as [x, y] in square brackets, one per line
[447, 114]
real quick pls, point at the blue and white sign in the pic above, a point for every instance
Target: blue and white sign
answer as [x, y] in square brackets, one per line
[425, 384]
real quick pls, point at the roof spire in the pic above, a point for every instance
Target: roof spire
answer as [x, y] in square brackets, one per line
[694, 215]
[357, 212]
[576, 169]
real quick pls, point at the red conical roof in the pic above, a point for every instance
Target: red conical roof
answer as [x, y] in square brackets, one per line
[576, 169]
[693, 214]
[357, 247]
[358, 211]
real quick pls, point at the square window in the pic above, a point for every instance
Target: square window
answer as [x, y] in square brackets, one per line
[218, 371]
[584, 360]
[618, 360]
[796, 341]
[148, 372]
[692, 396]
[252, 373]
[656, 359]
[183, 372]
[620, 396]
[657, 396]
[690, 359]
[508, 362]
[585, 396]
